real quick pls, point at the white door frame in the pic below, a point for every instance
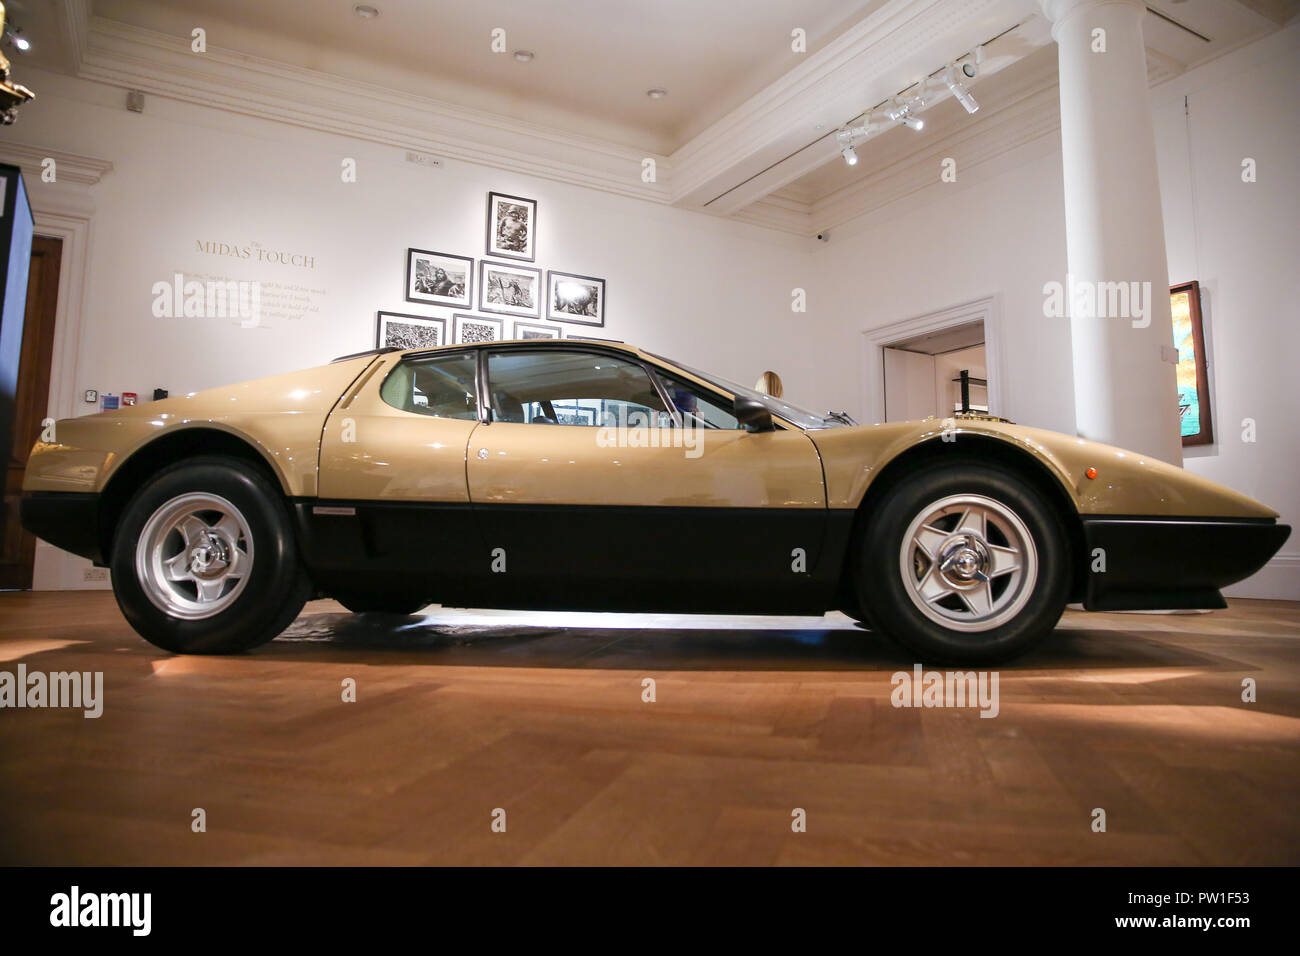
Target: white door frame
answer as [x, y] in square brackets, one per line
[987, 310]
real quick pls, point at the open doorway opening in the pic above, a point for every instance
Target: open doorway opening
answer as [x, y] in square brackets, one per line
[912, 368]
[936, 373]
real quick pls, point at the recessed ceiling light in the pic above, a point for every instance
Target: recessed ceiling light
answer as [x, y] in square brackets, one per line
[656, 93]
[524, 56]
[365, 11]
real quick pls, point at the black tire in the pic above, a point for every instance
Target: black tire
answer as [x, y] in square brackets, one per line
[887, 595]
[276, 585]
[379, 604]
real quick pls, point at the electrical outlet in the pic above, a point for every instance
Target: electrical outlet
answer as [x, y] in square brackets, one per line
[94, 575]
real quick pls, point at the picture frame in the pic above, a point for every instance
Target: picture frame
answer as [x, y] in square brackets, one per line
[409, 331]
[439, 278]
[575, 298]
[511, 227]
[534, 330]
[509, 289]
[477, 329]
[580, 337]
[1193, 381]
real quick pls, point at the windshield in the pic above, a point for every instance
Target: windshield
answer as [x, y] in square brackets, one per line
[777, 406]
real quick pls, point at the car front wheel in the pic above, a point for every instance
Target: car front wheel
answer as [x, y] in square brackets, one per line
[964, 562]
[204, 559]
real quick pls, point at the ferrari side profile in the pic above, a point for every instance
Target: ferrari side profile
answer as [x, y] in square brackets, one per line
[586, 475]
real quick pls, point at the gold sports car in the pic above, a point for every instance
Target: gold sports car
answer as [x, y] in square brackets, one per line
[586, 475]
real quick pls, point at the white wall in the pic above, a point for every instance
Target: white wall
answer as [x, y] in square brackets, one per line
[1241, 241]
[999, 230]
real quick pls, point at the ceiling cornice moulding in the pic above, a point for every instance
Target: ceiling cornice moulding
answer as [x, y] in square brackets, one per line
[134, 58]
[69, 167]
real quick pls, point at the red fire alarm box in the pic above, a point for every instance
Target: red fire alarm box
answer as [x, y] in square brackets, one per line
[128, 398]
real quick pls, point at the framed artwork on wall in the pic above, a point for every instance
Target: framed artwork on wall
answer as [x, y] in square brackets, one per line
[575, 298]
[439, 278]
[409, 331]
[473, 329]
[1193, 382]
[511, 227]
[531, 330]
[510, 290]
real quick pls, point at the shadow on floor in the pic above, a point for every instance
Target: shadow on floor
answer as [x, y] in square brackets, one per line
[415, 640]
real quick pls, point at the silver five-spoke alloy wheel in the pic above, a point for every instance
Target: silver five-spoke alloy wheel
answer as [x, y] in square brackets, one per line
[194, 556]
[968, 563]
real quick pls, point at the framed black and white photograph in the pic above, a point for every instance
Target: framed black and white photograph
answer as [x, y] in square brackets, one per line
[531, 330]
[439, 278]
[511, 227]
[473, 329]
[575, 298]
[509, 289]
[409, 331]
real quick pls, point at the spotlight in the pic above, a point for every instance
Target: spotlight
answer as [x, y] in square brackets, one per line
[20, 42]
[958, 88]
[845, 138]
[902, 113]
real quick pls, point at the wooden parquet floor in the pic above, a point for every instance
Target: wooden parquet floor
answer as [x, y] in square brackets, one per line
[459, 714]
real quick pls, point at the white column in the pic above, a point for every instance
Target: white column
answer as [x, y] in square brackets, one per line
[1125, 391]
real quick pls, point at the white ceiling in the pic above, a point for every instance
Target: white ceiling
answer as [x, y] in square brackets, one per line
[595, 59]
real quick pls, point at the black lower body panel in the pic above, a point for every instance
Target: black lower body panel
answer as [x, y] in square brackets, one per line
[67, 520]
[1172, 563]
[670, 559]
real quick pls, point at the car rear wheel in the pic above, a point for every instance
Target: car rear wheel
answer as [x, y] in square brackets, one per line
[963, 562]
[204, 559]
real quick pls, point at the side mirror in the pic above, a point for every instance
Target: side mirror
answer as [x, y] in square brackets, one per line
[753, 414]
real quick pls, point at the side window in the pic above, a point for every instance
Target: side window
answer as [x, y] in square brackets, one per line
[700, 407]
[554, 387]
[442, 385]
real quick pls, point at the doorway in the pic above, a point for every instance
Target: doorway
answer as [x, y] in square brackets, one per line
[936, 373]
[17, 547]
[916, 361]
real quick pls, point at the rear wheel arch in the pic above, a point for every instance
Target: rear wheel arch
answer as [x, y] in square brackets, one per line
[164, 452]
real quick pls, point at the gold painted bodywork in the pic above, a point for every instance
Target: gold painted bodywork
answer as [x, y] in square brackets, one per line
[1127, 483]
[371, 451]
[511, 463]
[330, 421]
[280, 417]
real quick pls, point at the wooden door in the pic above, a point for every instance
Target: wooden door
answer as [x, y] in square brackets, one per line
[17, 547]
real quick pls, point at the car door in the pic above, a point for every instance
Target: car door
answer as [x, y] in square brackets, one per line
[393, 508]
[592, 489]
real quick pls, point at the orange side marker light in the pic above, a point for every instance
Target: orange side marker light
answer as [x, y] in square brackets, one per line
[1091, 472]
